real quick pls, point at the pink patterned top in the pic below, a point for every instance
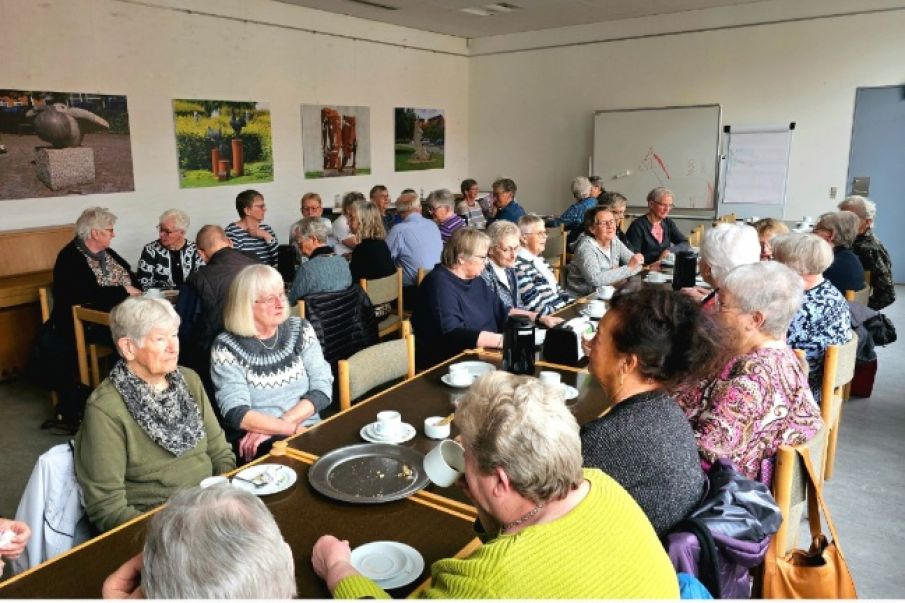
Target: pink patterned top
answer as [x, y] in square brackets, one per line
[758, 402]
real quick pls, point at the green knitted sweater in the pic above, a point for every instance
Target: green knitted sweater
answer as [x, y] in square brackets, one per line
[605, 548]
[123, 472]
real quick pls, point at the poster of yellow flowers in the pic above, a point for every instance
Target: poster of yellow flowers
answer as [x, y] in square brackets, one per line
[222, 142]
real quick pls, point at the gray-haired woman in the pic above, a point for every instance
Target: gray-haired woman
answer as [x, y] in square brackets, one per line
[149, 428]
[873, 255]
[600, 258]
[324, 271]
[547, 524]
[169, 261]
[839, 229]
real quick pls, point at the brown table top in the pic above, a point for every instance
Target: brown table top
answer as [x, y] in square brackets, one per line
[303, 516]
[424, 396]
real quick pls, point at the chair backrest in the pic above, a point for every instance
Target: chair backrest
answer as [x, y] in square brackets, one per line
[790, 488]
[384, 290]
[374, 366]
[867, 277]
[862, 296]
[422, 272]
[555, 250]
[838, 368]
[344, 322]
[697, 233]
[45, 297]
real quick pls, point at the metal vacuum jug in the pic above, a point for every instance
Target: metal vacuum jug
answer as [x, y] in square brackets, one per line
[686, 268]
[518, 346]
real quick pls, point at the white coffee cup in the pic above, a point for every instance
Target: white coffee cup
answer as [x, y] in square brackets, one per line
[549, 377]
[155, 293]
[656, 277]
[435, 431]
[606, 292]
[445, 463]
[596, 308]
[388, 424]
[215, 480]
[459, 375]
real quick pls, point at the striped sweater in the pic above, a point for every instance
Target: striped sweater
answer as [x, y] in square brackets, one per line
[264, 251]
[604, 548]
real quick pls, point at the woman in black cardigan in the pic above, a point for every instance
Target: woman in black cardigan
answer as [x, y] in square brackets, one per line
[371, 258]
[654, 235]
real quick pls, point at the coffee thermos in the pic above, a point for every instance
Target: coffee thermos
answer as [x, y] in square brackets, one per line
[518, 346]
[685, 270]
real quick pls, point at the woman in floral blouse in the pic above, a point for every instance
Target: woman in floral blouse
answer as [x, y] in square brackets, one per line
[760, 400]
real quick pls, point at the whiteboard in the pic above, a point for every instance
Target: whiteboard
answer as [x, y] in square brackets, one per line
[636, 150]
[755, 174]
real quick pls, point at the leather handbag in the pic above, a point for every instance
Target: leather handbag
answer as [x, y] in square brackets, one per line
[817, 573]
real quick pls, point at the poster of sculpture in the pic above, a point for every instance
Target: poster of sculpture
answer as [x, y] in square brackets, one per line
[336, 140]
[420, 135]
[222, 142]
[54, 144]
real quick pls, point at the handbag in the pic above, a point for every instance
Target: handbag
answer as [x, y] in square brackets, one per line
[881, 329]
[817, 573]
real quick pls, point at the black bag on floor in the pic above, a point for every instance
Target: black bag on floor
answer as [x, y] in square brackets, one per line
[881, 329]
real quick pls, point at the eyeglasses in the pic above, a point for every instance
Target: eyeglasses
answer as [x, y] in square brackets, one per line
[610, 223]
[271, 300]
[483, 258]
[540, 233]
[666, 205]
[512, 249]
[163, 230]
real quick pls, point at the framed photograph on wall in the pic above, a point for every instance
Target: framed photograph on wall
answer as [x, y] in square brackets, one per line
[336, 141]
[420, 136]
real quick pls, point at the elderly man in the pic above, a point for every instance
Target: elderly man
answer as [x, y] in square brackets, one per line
[324, 271]
[504, 203]
[311, 206]
[414, 243]
[187, 552]
[470, 208]
[441, 203]
[167, 262]
[380, 197]
[871, 252]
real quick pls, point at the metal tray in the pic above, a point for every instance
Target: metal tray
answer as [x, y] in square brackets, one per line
[369, 473]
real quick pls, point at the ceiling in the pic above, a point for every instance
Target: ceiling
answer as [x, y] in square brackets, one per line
[448, 17]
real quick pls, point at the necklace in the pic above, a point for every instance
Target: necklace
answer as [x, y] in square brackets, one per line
[508, 526]
[276, 339]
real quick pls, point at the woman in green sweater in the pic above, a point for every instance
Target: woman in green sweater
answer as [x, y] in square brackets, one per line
[551, 530]
[149, 428]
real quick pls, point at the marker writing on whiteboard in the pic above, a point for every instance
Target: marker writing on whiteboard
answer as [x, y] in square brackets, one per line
[622, 175]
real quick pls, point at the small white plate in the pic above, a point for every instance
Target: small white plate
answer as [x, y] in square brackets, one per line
[666, 279]
[379, 560]
[283, 478]
[406, 433]
[414, 562]
[568, 392]
[446, 381]
[584, 312]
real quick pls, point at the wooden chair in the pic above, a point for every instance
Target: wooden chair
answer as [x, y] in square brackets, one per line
[91, 354]
[697, 233]
[383, 291]
[298, 309]
[862, 296]
[555, 250]
[838, 371]
[422, 272]
[374, 366]
[45, 298]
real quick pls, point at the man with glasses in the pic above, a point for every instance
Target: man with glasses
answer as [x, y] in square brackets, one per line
[654, 235]
[504, 203]
[441, 204]
[167, 262]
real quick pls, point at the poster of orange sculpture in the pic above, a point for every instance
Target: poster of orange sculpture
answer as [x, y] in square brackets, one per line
[336, 140]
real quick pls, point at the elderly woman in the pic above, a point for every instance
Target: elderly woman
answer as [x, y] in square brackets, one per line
[442, 205]
[470, 208]
[839, 229]
[456, 310]
[873, 255]
[573, 217]
[824, 318]
[647, 343]
[167, 262]
[548, 525]
[87, 271]
[537, 285]
[654, 235]
[149, 428]
[616, 203]
[371, 258]
[342, 231]
[249, 233]
[724, 247]
[760, 400]
[767, 228]
[500, 274]
[324, 271]
[270, 375]
[600, 258]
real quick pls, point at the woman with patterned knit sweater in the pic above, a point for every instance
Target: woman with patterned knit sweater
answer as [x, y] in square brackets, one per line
[270, 375]
[551, 529]
[646, 343]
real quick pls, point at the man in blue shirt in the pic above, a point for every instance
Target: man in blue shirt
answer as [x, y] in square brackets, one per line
[414, 243]
[507, 208]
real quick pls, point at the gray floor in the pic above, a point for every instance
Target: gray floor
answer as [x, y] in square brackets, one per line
[865, 495]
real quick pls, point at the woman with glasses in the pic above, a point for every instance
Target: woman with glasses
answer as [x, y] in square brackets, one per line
[169, 261]
[456, 310]
[600, 258]
[654, 235]
[839, 229]
[616, 203]
[249, 233]
[760, 400]
[537, 284]
[268, 370]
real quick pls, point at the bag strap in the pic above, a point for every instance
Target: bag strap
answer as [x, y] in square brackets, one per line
[708, 562]
[816, 503]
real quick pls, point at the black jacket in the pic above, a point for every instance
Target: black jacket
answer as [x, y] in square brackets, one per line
[344, 322]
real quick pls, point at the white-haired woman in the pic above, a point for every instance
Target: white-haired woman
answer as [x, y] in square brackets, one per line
[573, 217]
[537, 285]
[324, 271]
[456, 310]
[824, 318]
[167, 262]
[654, 235]
[501, 276]
[839, 229]
[149, 428]
[873, 255]
[724, 247]
[760, 400]
[268, 369]
[548, 525]
[600, 257]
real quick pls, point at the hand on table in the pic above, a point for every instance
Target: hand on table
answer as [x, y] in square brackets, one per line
[15, 544]
[125, 582]
[249, 443]
[331, 559]
[635, 261]
[550, 321]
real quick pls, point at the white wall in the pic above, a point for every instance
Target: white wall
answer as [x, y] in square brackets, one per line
[532, 111]
[153, 54]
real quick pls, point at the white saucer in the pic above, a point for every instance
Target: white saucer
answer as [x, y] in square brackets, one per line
[584, 312]
[568, 392]
[446, 381]
[397, 563]
[406, 433]
[660, 282]
[283, 479]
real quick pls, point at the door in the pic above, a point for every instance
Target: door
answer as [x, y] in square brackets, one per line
[878, 152]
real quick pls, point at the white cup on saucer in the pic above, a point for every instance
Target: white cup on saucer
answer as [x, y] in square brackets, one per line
[445, 463]
[550, 378]
[435, 431]
[596, 308]
[388, 424]
[656, 277]
[606, 292]
[214, 480]
[155, 293]
[459, 375]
